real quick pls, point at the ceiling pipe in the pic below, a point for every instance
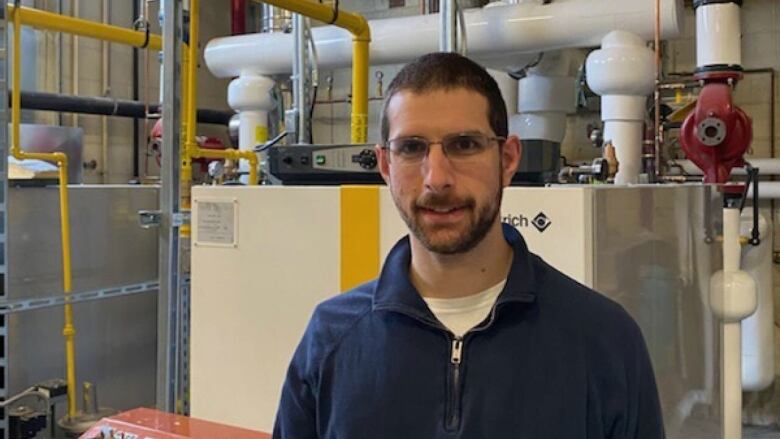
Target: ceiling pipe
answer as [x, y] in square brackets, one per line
[503, 37]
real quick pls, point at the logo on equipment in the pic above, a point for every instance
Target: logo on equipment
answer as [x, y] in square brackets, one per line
[541, 222]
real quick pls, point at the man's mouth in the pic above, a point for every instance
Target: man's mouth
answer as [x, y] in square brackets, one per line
[442, 209]
[441, 215]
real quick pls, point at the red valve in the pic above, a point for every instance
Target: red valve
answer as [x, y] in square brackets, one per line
[202, 141]
[717, 134]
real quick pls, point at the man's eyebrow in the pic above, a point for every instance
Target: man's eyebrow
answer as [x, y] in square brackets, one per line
[466, 132]
[405, 136]
[454, 133]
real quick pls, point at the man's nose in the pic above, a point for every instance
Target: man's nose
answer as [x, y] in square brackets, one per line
[437, 169]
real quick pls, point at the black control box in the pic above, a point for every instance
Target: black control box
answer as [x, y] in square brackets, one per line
[324, 164]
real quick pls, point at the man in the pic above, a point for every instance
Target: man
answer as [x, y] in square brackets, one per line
[465, 333]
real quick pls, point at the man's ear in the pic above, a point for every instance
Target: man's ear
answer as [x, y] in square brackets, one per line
[384, 164]
[511, 153]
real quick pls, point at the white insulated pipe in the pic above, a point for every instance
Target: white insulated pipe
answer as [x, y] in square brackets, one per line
[758, 354]
[250, 95]
[542, 105]
[731, 334]
[497, 34]
[622, 72]
[732, 298]
[508, 87]
[731, 380]
[767, 190]
[626, 136]
[718, 35]
[301, 119]
[545, 96]
[765, 167]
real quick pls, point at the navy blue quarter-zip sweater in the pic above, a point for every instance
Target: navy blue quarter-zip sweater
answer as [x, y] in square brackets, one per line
[554, 360]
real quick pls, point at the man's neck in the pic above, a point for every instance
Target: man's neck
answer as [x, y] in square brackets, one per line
[463, 274]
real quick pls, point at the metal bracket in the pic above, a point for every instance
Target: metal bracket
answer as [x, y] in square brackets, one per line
[149, 218]
[755, 236]
[12, 306]
[181, 218]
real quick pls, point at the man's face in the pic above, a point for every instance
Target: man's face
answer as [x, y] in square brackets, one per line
[448, 203]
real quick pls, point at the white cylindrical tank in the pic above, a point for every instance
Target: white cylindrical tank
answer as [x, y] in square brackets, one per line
[498, 33]
[718, 34]
[758, 354]
[622, 72]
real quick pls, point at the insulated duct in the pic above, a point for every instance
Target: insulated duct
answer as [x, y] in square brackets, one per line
[496, 34]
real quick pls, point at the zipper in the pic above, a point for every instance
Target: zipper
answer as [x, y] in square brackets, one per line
[452, 421]
[453, 408]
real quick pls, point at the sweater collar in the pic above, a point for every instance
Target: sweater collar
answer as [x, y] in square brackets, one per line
[394, 289]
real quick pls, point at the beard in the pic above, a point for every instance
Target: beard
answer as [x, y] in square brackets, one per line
[450, 239]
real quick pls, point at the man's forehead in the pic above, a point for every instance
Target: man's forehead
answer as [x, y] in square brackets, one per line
[429, 94]
[437, 111]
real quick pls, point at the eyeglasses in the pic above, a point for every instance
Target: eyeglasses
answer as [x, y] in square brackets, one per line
[457, 147]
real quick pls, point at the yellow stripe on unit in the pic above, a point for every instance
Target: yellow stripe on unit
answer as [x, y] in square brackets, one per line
[359, 235]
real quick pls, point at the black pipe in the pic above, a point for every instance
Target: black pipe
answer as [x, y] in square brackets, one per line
[33, 100]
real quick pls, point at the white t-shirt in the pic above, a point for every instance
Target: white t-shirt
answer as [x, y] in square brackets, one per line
[463, 313]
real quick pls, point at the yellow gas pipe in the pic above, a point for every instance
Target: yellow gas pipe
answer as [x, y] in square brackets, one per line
[55, 22]
[61, 159]
[190, 149]
[361, 37]
[85, 28]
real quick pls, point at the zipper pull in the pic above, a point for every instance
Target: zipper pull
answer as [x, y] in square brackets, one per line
[457, 350]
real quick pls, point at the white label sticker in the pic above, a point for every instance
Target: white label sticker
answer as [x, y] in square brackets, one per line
[216, 223]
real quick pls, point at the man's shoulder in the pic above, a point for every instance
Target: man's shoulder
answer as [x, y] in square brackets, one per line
[585, 310]
[335, 317]
[348, 305]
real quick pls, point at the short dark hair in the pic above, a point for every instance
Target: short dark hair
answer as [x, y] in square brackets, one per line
[448, 71]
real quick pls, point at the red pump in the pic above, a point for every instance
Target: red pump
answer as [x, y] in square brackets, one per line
[717, 134]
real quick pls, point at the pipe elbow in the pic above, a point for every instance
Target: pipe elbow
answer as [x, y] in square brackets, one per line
[360, 30]
[61, 158]
[249, 156]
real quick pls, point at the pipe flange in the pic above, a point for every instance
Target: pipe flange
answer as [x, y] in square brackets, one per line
[697, 3]
[711, 131]
[717, 68]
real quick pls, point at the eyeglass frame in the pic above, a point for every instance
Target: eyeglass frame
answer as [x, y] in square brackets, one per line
[489, 140]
